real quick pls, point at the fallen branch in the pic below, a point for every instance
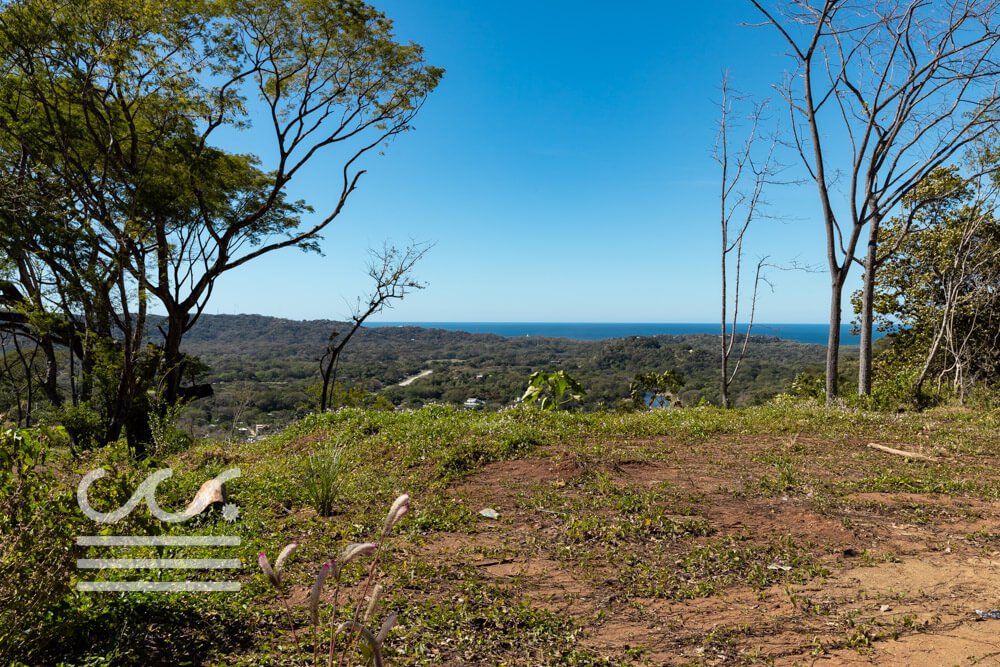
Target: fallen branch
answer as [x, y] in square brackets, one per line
[900, 452]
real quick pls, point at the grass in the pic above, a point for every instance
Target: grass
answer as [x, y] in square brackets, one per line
[733, 560]
[631, 541]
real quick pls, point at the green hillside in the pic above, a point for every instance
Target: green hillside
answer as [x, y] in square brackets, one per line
[694, 536]
[265, 370]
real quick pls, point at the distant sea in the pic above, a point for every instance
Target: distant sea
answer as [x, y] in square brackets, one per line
[815, 334]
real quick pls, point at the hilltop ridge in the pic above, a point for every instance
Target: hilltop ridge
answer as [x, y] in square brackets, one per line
[262, 365]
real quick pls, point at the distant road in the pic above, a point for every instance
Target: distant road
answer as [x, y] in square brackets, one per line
[410, 380]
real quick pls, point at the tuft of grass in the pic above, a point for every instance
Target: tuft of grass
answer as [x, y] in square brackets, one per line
[321, 478]
[784, 482]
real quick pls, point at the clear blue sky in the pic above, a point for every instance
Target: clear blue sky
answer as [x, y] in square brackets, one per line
[563, 168]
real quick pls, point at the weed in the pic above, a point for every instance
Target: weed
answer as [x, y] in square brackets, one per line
[860, 633]
[355, 627]
[869, 558]
[890, 482]
[321, 478]
[704, 570]
[784, 482]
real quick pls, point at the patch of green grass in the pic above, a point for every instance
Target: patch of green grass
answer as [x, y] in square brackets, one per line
[896, 482]
[597, 510]
[465, 457]
[869, 558]
[861, 631]
[152, 628]
[785, 481]
[587, 528]
[705, 570]
[439, 514]
[484, 623]
[984, 537]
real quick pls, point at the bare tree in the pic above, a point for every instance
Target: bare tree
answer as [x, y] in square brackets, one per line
[881, 94]
[392, 271]
[743, 179]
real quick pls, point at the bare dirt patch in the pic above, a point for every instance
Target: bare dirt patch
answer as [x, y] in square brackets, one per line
[709, 556]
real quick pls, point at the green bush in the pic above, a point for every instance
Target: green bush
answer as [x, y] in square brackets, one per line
[38, 521]
[84, 425]
[552, 390]
[808, 384]
[167, 438]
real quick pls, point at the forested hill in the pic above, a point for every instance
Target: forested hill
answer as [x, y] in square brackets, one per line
[273, 335]
[266, 369]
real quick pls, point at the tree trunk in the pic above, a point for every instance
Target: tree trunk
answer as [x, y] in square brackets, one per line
[724, 388]
[138, 429]
[51, 383]
[867, 312]
[724, 385]
[324, 372]
[833, 342]
[171, 364]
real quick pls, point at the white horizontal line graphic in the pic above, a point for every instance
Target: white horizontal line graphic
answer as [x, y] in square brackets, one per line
[158, 540]
[159, 563]
[158, 586]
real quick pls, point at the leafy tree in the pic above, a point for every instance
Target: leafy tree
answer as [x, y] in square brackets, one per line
[649, 390]
[552, 390]
[108, 118]
[940, 288]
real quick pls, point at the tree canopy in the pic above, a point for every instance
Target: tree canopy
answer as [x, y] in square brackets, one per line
[119, 198]
[939, 289]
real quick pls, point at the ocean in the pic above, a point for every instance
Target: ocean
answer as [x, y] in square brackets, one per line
[815, 334]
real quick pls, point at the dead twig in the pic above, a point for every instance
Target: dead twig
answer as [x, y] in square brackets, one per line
[900, 452]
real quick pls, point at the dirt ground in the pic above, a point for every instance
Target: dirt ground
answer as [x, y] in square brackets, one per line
[895, 578]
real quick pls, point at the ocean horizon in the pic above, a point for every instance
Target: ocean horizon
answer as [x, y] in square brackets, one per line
[810, 333]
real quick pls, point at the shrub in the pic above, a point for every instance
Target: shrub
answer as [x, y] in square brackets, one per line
[167, 438]
[552, 390]
[84, 425]
[37, 523]
[808, 384]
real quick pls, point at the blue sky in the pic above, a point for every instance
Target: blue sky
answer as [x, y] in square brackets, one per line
[563, 169]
